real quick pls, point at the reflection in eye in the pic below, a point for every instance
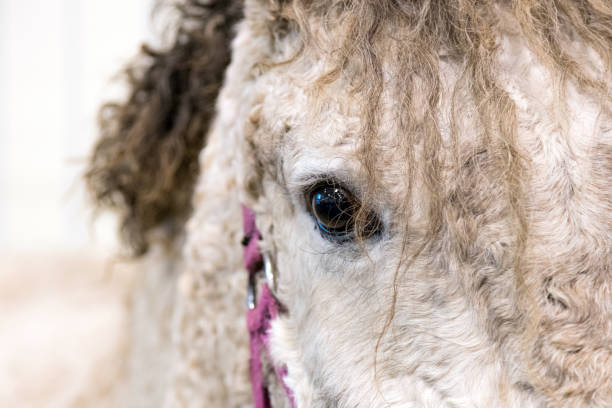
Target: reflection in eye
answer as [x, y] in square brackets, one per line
[336, 210]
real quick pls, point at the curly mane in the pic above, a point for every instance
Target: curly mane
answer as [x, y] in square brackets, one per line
[145, 162]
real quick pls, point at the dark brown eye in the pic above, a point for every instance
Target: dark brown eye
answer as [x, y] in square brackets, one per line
[335, 211]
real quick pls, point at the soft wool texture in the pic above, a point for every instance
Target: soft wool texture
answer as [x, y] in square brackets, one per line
[480, 133]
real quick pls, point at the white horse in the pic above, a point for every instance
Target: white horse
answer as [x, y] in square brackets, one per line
[432, 183]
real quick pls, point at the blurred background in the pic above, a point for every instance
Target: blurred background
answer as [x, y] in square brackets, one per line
[62, 296]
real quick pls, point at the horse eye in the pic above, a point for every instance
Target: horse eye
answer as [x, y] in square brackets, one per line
[335, 211]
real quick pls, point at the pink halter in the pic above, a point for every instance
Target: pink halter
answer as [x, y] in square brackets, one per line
[259, 315]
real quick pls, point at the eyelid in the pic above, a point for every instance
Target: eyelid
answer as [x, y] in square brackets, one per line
[308, 184]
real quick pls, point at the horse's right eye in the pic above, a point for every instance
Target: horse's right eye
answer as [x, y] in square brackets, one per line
[335, 211]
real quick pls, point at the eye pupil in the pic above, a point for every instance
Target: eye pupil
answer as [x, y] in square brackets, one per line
[333, 209]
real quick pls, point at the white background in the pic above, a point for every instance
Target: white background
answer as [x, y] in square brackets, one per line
[63, 314]
[57, 59]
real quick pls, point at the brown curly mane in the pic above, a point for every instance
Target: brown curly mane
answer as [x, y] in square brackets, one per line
[144, 164]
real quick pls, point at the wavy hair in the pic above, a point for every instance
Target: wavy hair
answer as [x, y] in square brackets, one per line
[145, 162]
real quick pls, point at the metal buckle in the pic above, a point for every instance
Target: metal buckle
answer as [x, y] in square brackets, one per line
[269, 273]
[251, 292]
[270, 277]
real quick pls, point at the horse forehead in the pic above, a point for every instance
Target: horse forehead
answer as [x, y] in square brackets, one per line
[305, 125]
[302, 126]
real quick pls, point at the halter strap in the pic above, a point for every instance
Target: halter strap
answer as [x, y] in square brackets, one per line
[259, 316]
